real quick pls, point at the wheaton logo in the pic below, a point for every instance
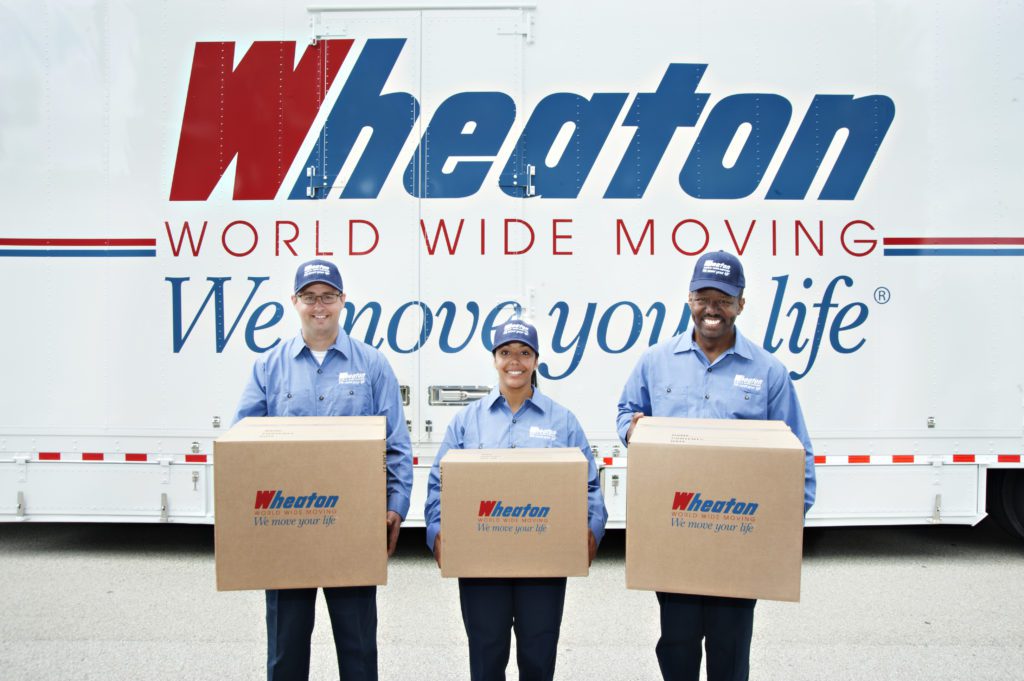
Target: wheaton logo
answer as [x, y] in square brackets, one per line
[496, 509]
[274, 498]
[691, 501]
[257, 110]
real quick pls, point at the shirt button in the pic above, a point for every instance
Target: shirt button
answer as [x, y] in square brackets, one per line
[709, 370]
[512, 447]
[321, 398]
[351, 392]
[289, 396]
[319, 371]
[513, 420]
[747, 396]
[668, 390]
[706, 397]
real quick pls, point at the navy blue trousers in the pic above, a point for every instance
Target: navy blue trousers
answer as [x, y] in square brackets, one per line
[353, 612]
[725, 625]
[492, 608]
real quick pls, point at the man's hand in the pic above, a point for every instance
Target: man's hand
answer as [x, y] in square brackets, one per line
[637, 415]
[394, 524]
[437, 549]
[591, 546]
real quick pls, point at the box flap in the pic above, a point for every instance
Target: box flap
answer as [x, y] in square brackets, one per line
[306, 428]
[513, 456]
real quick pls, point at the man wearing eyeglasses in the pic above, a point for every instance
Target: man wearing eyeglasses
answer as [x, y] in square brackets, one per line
[325, 372]
[712, 372]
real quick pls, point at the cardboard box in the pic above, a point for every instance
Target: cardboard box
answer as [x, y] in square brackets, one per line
[301, 502]
[514, 513]
[715, 511]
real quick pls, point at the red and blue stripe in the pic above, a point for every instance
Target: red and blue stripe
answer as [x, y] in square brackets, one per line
[77, 248]
[953, 246]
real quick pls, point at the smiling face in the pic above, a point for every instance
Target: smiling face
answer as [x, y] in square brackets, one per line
[714, 315]
[319, 320]
[515, 363]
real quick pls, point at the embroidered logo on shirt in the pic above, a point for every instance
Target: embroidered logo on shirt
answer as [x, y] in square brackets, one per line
[543, 433]
[742, 381]
[345, 378]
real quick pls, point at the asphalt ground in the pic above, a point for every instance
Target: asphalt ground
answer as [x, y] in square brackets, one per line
[118, 602]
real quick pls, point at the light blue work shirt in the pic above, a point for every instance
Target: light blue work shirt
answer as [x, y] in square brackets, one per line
[674, 378]
[354, 380]
[489, 423]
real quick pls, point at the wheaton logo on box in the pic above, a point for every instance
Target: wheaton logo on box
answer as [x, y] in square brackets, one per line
[275, 508]
[497, 516]
[692, 512]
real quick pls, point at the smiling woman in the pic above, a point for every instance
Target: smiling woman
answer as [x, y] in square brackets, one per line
[514, 415]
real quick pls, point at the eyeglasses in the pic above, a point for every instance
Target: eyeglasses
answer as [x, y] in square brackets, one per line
[720, 303]
[325, 298]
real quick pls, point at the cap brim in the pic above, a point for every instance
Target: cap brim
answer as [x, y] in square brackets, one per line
[516, 340]
[319, 281]
[717, 284]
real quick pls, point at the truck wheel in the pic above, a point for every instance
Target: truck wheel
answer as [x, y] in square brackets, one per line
[1005, 500]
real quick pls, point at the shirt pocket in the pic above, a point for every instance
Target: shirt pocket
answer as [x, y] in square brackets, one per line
[670, 399]
[350, 399]
[749, 403]
[292, 402]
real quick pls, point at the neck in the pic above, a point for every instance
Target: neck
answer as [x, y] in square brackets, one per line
[320, 342]
[714, 347]
[515, 398]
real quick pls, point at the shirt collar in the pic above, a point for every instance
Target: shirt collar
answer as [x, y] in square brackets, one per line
[343, 344]
[741, 347]
[539, 401]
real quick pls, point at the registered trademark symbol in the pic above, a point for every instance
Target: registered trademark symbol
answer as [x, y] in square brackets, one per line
[882, 295]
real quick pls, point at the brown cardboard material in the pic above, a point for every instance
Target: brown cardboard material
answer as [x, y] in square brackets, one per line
[514, 513]
[262, 466]
[690, 526]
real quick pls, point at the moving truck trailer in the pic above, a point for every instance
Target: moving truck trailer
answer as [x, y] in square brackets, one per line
[166, 166]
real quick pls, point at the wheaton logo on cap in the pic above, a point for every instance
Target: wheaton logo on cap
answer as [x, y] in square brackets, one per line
[316, 270]
[717, 269]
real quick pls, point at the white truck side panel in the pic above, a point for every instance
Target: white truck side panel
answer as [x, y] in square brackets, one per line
[127, 332]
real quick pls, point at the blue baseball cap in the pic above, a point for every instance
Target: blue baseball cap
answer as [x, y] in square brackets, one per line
[719, 270]
[317, 271]
[516, 331]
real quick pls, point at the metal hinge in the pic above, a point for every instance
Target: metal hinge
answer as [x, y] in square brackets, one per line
[165, 469]
[21, 504]
[456, 395]
[163, 507]
[937, 511]
[404, 390]
[313, 190]
[523, 27]
[528, 189]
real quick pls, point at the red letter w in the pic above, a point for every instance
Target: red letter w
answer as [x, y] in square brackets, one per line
[486, 507]
[682, 500]
[264, 497]
[259, 112]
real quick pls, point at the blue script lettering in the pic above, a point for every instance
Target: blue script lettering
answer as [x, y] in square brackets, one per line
[798, 312]
[616, 328]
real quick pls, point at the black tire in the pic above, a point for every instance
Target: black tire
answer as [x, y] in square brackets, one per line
[1005, 500]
